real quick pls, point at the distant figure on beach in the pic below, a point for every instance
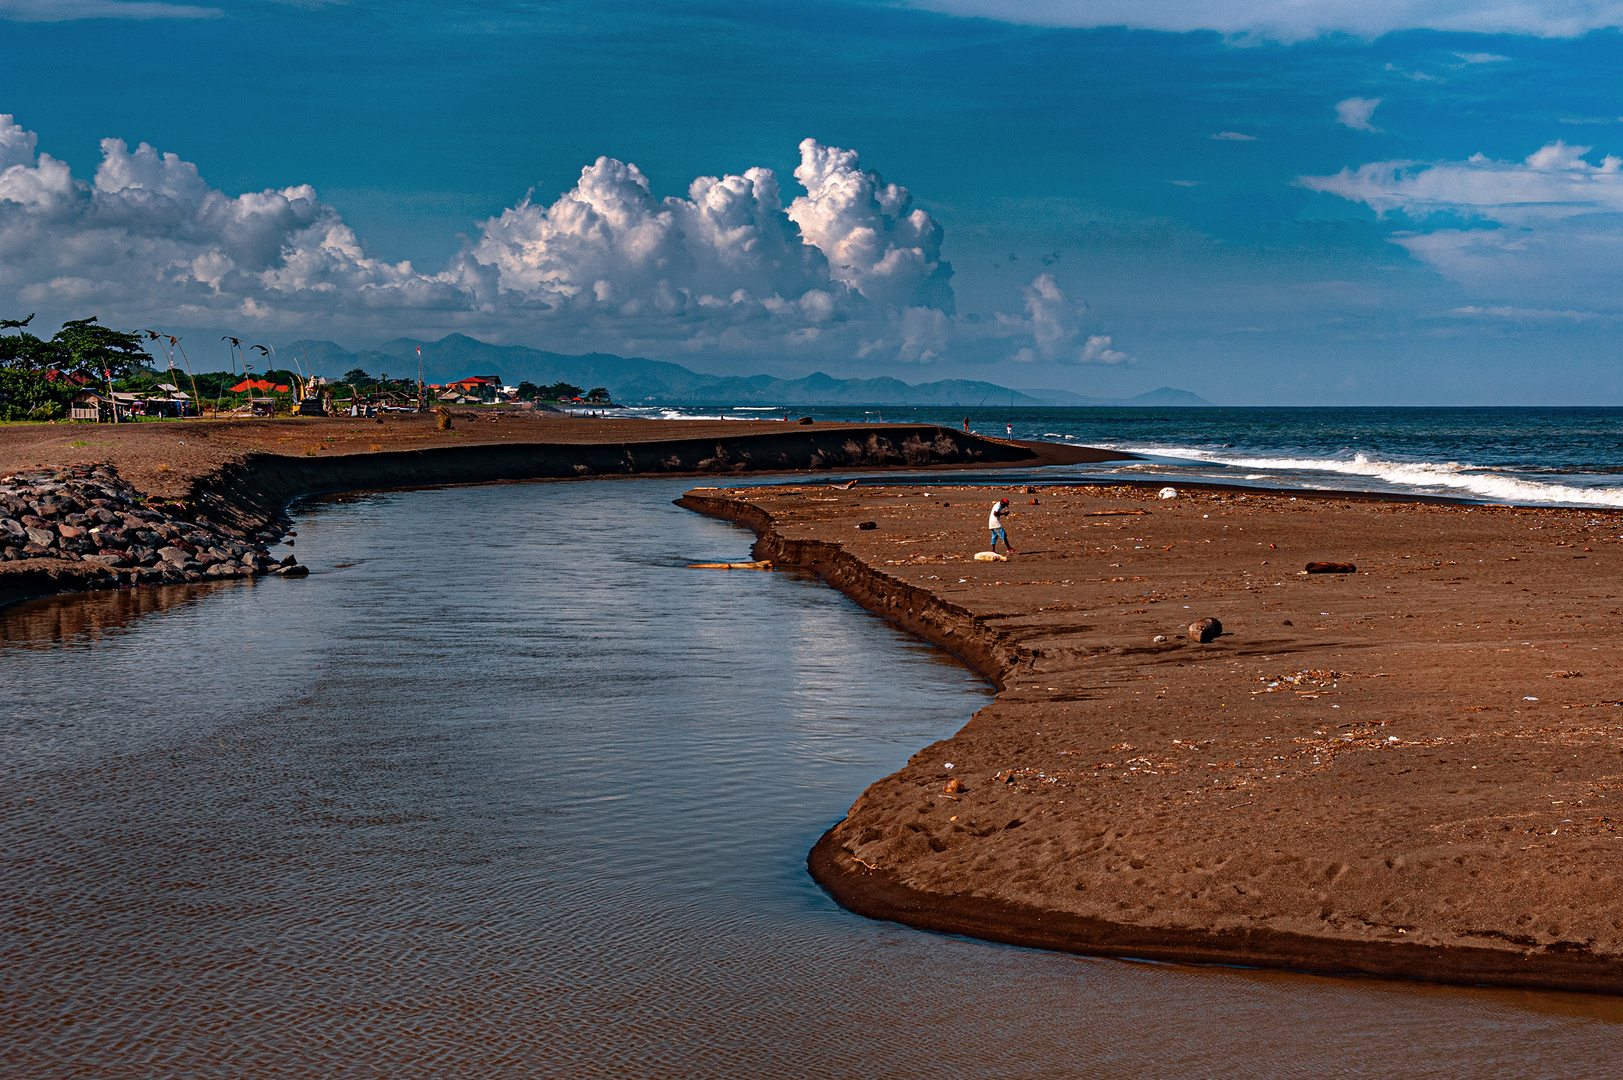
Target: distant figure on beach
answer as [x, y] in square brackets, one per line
[1011, 431]
[966, 425]
[995, 523]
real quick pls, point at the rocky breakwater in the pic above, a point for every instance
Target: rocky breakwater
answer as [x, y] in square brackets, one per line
[82, 527]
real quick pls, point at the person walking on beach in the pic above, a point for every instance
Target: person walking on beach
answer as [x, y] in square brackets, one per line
[995, 523]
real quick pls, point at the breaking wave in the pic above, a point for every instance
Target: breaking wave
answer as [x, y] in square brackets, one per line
[1486, 483]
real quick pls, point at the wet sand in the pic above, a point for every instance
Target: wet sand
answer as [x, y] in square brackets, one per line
[1409, 770]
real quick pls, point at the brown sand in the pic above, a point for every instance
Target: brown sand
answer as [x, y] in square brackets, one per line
[1355, 776]
[240, 474]
[164, 459]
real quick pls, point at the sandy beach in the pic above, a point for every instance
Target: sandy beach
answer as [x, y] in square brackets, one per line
[1404, 770]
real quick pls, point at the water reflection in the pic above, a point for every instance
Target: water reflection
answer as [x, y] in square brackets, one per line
[49, 622]
[505, 790]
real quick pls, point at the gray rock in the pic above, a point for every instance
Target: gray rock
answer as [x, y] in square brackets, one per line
[41, 537]
[174, 556]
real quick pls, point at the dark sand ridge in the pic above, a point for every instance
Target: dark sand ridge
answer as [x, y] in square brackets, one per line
[1353, 778]
[242, 473]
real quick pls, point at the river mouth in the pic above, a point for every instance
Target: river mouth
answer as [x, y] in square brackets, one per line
[504, 788]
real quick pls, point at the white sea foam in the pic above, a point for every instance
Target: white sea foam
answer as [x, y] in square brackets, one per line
[1487, 483]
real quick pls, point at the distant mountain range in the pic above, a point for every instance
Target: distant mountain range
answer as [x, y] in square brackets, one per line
[635, 381]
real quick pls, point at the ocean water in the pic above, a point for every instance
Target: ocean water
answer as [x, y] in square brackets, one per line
[1532, 456]
[471, 802]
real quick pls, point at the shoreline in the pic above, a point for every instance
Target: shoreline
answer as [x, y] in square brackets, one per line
[229, 481]
[882, 859]
[1399, 863]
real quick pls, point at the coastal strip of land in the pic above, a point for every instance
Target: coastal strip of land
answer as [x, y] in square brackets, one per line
[1409, 764]
[100, 506]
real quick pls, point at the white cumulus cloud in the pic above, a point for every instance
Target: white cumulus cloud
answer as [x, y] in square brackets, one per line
[1055, 322]
[1296, 20]
[1553, 182]
[848, 269]
[1097, 350]
[1355, 112]
[1546, 229]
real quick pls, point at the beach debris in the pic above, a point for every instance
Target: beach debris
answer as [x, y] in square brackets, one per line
[847, 486]
[442, 417]
[953, 786]
[866, 525]
[1331, 568]
[1159, 639]
[804, 420]
[1167, 493]
[990, 556]
[1204, 630]
[764, 564]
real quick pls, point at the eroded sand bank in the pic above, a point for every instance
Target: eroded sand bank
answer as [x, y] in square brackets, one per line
[235, 477]
[1409, 770]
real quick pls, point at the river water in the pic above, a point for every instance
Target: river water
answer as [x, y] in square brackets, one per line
[503, 789]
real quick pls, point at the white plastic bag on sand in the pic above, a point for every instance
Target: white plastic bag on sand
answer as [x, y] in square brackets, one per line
[1167, 493]
[990, 556]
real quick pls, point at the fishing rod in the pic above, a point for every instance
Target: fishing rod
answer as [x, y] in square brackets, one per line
[974, 413]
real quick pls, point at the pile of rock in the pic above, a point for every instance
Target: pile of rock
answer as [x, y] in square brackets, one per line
[87, 514]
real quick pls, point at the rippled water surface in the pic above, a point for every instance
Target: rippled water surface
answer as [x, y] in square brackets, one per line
[1527, 456]
[505, 790]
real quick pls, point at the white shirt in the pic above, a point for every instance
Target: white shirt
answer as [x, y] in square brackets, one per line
[995, 522]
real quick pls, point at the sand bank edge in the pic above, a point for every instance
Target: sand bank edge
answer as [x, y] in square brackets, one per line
[251, 491]
[878, 894]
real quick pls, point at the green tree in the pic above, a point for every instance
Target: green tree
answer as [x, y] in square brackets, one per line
[357, 377]
[96, 349]
[561, 391]
[527, 390]
[598, 395]
[23, 351]
[29, 395]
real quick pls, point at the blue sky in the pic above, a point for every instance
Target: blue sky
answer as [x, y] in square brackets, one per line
[1310, 203]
